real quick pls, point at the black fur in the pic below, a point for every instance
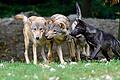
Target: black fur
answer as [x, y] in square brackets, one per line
[97, 39]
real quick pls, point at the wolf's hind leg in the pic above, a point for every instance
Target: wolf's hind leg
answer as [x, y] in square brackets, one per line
[116, 53]
[104, 52]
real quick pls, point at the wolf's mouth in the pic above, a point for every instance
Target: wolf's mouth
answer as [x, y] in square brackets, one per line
[49, 38]
[79, 35]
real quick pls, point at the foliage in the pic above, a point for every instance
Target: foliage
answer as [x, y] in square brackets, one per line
[102, 10]
[43, 9]
[48, 7]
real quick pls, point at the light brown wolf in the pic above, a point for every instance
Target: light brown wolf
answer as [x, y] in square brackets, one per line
[34, 30]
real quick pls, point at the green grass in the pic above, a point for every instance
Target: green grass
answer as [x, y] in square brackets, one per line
[80, 71]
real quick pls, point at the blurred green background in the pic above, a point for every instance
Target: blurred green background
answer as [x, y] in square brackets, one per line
[90, 8]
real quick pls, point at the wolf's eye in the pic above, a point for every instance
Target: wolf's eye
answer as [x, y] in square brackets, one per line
[40, 28]
[34, 28]
[54, 30]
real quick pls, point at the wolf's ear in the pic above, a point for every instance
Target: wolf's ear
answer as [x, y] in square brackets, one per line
[29, 21]
[62, 25]
[78, 10]
[49, 21]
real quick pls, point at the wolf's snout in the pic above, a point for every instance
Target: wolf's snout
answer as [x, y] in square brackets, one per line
[46, 36]
[72, 33]
[37, 38]
[75, 33]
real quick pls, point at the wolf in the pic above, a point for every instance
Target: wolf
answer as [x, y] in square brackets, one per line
[58, 30]
[34, 30]
[98, 40]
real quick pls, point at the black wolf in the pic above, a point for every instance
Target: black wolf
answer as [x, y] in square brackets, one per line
[97, 39]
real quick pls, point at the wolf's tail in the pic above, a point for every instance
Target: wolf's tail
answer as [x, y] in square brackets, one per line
[21, 17]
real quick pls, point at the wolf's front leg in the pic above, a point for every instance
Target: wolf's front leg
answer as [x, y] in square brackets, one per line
[96, 51]
[34, 53]
[43, 54]
[60, 54]
[26, 41]
[78, 52]
[72, 50]
[50, 56]
[87, 49]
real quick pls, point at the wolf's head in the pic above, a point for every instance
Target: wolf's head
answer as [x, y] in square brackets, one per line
[57, 26]
[38, 27]
[80, 29]
[78, 26]
[54, 30]
[34, 24]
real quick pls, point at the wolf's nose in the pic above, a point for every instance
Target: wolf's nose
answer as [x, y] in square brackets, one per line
[46, 36]
[37, 38]
[70, 33]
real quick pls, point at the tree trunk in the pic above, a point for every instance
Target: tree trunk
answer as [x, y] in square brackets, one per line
[86, 8]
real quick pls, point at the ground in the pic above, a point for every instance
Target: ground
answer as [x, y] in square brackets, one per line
[90, 70]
